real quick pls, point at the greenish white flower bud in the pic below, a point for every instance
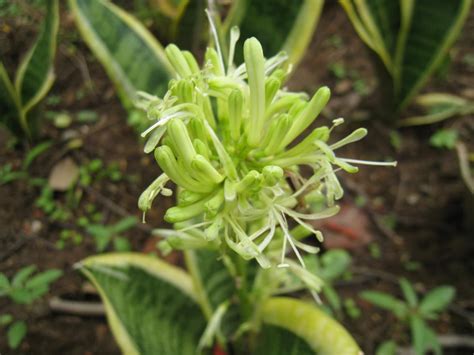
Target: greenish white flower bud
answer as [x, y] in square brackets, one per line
[254, 62]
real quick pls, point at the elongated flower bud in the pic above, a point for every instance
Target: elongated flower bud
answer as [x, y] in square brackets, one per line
[178, 60]
[250, 181]
[236, 101]
[181, 142]
[202, 165]
[272, 85]
[214, 204]
[304, 119]
[180, 214]
[187, 197]
[277, 134]
[185, 91]
[192, 63]
[167, 161]
[254, 63]
[212, 58]
[202, 148]
[355, 136]
[307, 145]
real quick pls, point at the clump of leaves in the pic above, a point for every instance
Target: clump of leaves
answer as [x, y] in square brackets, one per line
[415, 312]
[33, 78]
[24, 288]
[106, 234]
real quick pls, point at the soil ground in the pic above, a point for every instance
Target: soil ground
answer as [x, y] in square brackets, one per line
[419, 214]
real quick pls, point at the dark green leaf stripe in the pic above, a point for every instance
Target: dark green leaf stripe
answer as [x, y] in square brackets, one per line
[9, 105]
[435, 26]
[411, 37]
[218, 285]
[269, 21]
[35, 74]
[386, 15]
[148, 309]
[278, 341]
[133, 59]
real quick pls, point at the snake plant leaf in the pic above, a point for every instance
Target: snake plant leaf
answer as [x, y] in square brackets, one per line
[435, 25]
[131, 56]
[214, 285]
[279, 341]
[35, 74]
[11, 115]
[279, 25]
[150, 305]
[322, 334]
[377, 24]
[171, 8]
[412, 38]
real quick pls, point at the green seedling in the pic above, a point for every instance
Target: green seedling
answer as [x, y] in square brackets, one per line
[24, 288]
[444, 138]
[415, 313]
[104, 235]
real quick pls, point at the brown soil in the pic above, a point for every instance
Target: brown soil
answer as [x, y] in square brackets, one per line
[431, 243]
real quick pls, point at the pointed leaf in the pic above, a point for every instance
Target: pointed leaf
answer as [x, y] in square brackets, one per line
[278, 25]
[35, 74]
[131, 56]
[4, 283]
[15, 334]
[23, 274]
[11, 115]
[150, 305]
[387, 348]
[418, 328]
[43, 278]
[432, 341]
[322, 334]
[412, 38]
[408, 292]
[437, 300]
[385, 301]
[434, 28]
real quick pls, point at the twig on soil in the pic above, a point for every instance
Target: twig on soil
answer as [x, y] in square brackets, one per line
[17, 246]
[59, 305]
[454, 308]
[446, 341]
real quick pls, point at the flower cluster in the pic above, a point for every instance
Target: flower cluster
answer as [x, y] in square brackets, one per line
[230, 139]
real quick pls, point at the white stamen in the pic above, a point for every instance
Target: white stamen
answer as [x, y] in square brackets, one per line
[369, 162]
[216, 38]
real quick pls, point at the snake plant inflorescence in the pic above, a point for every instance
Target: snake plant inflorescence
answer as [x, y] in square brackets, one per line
[230, 138]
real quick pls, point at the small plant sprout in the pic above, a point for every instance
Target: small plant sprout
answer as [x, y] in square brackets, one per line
[415, 313]
[24, 288]
[231, 139]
